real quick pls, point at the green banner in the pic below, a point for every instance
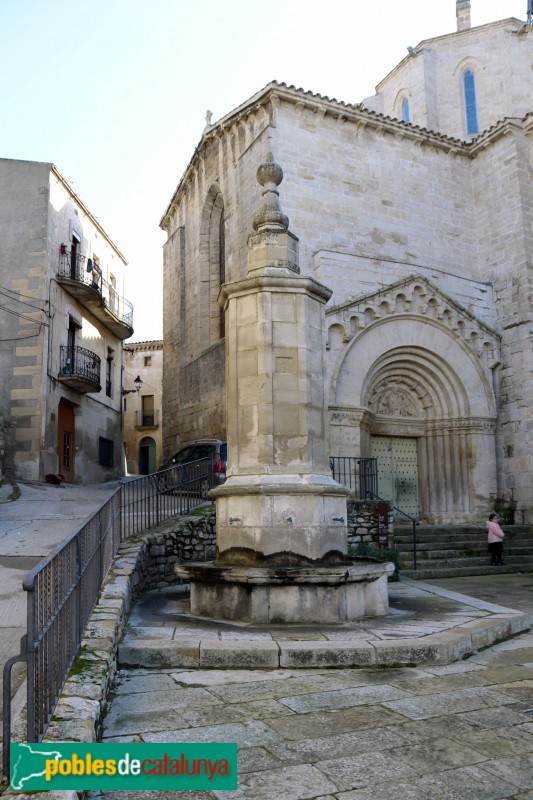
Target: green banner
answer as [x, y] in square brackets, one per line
[134, 766]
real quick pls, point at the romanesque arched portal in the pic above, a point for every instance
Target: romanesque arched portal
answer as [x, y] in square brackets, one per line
[410, 377]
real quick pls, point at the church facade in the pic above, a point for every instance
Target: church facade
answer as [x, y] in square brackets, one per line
[415, 209]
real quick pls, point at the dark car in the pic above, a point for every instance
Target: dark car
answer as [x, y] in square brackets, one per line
[198, 466]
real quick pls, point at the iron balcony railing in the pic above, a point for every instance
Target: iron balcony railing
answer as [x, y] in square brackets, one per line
[359, 475]
[80, 362]
[147, 420]
[85, 271]
[64, 588]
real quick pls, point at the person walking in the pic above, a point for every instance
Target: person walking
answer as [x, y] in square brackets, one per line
[495, 540]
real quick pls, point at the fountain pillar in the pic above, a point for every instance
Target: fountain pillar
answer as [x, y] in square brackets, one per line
[281, 518]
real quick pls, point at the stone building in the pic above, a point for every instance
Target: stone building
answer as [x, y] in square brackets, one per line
[63, 321]
[143, 438]
[415, 209]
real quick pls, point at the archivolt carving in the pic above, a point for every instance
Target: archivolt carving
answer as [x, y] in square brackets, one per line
[417, 296]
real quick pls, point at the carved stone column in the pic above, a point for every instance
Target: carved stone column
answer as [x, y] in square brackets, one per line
[281, 518]
[279, 504]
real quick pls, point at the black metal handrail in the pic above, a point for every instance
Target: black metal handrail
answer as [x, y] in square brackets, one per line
[368, 476]
[413, 520]
[63, 589]
[151, 499]
[78, 361]
[352, 472]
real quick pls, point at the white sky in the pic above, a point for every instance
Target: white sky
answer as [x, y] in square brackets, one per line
[114, 92]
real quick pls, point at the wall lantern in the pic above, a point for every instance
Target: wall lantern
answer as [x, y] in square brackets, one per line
[138, 383]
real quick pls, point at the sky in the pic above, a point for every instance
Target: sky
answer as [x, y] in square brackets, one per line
[115, 92]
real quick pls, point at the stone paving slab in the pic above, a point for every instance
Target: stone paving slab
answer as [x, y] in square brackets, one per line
[350, 733]
[425, 625]
[275, 713]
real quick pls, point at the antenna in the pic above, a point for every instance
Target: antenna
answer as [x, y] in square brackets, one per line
[530, 12]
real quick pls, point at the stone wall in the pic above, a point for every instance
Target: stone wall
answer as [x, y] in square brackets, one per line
[155, 556]
[375, 202]
[363, 527]
[40, 213]
[431, 78]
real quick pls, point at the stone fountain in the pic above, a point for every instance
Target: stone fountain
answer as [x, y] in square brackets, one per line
[281, 518]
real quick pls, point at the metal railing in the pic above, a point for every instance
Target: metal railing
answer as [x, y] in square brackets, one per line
[61, 593]
[85, 271]
[151, 499]
[359, 475]
[64, 588]
[147, 420]
[80, 362]
[414, 522]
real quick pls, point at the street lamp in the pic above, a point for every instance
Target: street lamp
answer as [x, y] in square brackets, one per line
[138, 383]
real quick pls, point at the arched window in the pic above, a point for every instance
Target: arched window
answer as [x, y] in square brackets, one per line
[405, 110]
[469, 93]
[222, 269]
[212, 268]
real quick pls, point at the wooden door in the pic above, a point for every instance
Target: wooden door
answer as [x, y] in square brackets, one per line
[397, 471]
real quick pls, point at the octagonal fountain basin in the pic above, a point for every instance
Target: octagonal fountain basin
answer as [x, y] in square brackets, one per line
[350, 590]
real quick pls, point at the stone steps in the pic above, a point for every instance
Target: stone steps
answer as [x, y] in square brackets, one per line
[451, 551]
[457, 572]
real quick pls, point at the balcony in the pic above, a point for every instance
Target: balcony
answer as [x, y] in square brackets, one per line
[144, 421]
[79, 369]
[82, 279]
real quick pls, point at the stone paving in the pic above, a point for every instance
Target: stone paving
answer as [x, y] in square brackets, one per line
[424, 624]
[458, 732]
[461, 731]
[439, 731]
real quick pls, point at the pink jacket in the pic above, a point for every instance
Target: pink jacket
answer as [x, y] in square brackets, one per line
[495, 532]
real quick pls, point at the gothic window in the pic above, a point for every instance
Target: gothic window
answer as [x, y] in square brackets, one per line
[405, 110]
[213, 268]
[221, 270]
[469, 94]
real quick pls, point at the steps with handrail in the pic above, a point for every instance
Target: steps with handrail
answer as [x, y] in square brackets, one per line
[444, 551]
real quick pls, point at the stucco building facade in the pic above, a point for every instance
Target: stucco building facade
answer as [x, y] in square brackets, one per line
[63, 323]
[415, 209]
[143, 437]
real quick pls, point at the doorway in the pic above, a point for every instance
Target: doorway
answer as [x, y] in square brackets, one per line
[147, 456]
[397, 459]
[65, 441]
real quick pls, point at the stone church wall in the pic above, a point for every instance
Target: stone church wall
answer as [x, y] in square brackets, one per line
[500, 59]
[194, 357]
[391, 201]
[372, 203]
[504, 199]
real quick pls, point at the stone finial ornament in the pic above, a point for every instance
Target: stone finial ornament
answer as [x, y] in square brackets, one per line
[271, 217]
[462, 12]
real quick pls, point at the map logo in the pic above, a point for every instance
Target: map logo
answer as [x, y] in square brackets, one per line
[138, 766]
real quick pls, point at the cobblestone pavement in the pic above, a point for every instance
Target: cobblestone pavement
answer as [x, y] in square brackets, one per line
[457, 732]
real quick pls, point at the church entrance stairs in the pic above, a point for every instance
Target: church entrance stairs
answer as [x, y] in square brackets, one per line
[445, 551]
